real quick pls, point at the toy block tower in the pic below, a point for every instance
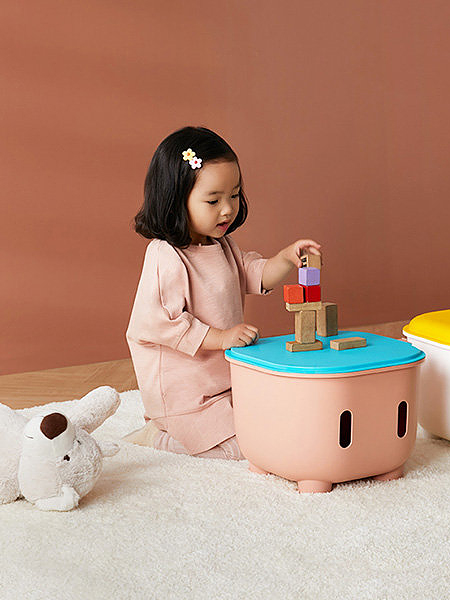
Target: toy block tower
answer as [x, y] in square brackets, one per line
[305, 299]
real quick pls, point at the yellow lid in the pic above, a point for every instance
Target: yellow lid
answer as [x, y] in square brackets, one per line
[433, 326]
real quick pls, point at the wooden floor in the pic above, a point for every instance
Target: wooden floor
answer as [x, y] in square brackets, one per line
[22, 390]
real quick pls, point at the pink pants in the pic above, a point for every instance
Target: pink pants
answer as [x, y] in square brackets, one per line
[227, 449]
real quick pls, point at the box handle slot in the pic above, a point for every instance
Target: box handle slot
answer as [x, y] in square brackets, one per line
[345, 429]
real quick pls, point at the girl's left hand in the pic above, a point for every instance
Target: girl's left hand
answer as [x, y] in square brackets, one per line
[294, 251]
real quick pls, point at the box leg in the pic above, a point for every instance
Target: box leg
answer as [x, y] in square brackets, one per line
[395, 474]
[312, 486]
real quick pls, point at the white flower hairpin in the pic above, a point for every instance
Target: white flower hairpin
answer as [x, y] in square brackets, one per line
[194, 161]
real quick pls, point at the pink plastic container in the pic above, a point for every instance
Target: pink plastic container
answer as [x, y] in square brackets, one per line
[326, 416]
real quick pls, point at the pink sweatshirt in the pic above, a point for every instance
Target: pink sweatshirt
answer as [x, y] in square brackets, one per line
[181, 294]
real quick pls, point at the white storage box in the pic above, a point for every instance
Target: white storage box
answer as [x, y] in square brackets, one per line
[430, 333]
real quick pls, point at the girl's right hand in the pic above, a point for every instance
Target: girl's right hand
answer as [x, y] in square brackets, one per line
[240, 335]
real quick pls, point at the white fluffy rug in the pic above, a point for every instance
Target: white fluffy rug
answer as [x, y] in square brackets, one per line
[163, 526]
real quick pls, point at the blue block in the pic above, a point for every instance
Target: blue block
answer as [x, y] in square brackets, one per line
[309, 276]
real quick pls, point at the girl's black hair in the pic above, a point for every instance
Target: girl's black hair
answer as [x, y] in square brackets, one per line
[169, 182]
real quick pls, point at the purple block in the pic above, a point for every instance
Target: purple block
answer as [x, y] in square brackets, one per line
[309, 276]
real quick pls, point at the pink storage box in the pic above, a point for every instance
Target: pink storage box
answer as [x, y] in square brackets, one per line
[326, 416]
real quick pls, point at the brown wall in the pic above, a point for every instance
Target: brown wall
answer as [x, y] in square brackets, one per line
[338, 111]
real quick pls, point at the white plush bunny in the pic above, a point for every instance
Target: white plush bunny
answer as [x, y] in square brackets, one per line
[51, 459]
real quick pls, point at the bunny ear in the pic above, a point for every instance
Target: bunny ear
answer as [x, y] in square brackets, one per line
[108, 448]
[93, 409]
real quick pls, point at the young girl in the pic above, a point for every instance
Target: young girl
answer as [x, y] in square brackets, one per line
[189, 305]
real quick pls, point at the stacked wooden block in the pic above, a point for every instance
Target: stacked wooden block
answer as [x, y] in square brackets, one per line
[311, 314]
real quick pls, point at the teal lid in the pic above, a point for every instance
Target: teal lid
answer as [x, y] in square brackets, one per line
[270, 353]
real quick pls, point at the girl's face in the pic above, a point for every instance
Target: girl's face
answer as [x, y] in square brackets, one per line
[213, 203]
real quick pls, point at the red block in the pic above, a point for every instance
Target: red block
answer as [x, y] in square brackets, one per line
[311, 293]
[293, 293]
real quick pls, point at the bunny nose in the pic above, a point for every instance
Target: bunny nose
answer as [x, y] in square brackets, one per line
[53, 425]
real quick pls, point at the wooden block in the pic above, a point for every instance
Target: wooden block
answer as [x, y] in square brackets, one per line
[311, 260]
[327, 319]
[305, 326]
[311, 293]
[348, 343]
[309, 276]
[296, 347]
[293, 293]
[305, 306]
